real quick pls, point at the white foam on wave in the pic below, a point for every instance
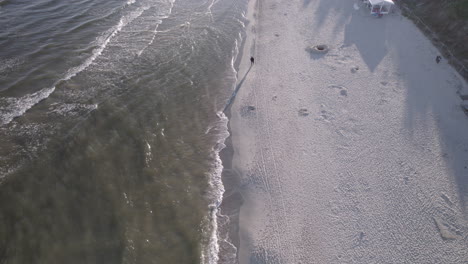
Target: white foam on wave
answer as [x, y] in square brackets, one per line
[12, 107]
[71, 109]
[148, 154]
[210, 254]
[103, 41]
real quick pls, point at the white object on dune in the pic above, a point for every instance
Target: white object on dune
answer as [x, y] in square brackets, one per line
[379, 7]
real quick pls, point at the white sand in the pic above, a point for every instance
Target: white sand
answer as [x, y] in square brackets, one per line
[341, 165]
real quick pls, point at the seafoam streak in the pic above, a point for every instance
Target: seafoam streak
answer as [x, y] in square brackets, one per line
[155, 31]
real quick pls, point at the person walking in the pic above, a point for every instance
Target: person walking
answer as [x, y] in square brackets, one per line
[438, 59]
[252, 60]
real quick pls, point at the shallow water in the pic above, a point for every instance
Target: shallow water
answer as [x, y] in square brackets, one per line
[110, 128]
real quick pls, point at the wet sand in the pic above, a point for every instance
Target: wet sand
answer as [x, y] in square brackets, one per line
[354, 155]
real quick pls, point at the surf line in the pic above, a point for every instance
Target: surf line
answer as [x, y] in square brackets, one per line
[239, 85]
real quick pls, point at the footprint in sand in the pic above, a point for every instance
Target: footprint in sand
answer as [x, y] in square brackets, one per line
[382, 102]
[446, 231]
[248, 111]
[326, 116]
[343, 90]
[446, 199]
[344, 59]
[303, 112]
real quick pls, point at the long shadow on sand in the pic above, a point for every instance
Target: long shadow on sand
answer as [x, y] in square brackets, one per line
[239, 85]
[372, 48]
[430, 98]
[427, 88]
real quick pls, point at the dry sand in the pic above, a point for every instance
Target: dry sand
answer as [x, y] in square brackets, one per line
[358, 155]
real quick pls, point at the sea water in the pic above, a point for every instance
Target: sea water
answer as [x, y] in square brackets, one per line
[111, 125]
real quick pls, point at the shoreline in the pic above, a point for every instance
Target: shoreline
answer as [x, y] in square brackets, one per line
[232, 197]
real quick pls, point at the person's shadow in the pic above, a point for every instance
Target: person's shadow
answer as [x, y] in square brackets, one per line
[239, 85]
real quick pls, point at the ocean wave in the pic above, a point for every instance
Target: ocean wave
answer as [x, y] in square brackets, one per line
[102, 41]
[11, 107]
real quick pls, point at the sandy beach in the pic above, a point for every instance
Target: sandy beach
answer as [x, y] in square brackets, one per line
[356, 155]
